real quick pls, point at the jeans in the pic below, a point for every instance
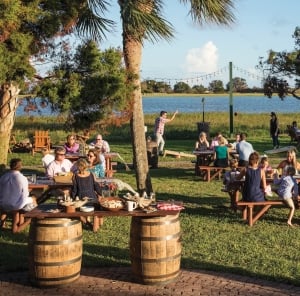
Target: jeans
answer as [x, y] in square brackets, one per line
[160, 142]
[275, 140]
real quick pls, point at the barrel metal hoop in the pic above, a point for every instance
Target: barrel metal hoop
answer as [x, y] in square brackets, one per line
[62, 224]
[60, 242]
[159, 260]
[58, 279]
[164, 276]
[166, 222]
[62, 263]
[158, 238]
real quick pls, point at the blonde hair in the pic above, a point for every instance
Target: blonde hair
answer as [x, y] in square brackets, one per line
[221, 140]
[202, 134]
[81, 165]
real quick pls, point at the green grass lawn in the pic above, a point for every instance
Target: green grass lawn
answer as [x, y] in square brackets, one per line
[213, 236]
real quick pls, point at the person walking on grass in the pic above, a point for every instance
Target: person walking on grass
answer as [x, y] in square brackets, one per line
[274, 130]
[159, 128]
[288, 189]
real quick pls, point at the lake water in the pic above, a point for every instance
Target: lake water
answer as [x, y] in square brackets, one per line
[241, 104]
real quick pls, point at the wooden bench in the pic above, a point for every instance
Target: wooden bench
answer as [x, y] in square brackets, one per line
[248, 209]
[210, 172]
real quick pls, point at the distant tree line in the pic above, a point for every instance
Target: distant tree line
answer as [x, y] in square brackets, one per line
[215, 86]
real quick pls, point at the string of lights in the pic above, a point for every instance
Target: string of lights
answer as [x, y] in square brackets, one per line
[198, 78]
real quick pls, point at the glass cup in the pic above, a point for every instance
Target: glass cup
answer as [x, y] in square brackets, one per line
[33, 178]
[106, 193]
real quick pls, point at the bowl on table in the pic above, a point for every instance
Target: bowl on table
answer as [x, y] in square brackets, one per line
[113, 204]
[87, 209]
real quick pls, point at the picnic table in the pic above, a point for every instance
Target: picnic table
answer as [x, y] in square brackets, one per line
[203, 165]
[253, 211]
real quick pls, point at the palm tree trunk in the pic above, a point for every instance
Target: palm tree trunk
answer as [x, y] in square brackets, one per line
[132, 56]
[8, 105]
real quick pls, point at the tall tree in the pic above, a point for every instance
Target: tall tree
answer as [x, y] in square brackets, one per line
[141, 20]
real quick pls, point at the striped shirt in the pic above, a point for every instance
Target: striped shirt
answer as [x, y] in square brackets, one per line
[160, 125]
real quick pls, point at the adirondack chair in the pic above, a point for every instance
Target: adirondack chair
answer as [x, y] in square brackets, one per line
[41, 140]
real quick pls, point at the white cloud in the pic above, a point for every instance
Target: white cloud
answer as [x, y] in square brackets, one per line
[203, 59]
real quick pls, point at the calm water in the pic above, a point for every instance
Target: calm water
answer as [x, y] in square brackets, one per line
[241, 104]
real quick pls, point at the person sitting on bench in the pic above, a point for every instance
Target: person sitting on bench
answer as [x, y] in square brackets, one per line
[14, 196]
[255, 180]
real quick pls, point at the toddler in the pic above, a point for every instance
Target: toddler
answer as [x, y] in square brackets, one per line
[229, 185]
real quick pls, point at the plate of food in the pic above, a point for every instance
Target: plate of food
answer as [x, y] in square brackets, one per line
[111, 203]
[87, 209]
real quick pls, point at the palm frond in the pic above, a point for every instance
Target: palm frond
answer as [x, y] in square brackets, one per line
[92, 26]
[142, 19]
[219, 12]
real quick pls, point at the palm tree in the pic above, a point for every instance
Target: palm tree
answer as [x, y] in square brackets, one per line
[142, 20]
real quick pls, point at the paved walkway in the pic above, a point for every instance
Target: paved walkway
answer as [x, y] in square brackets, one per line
[118, 281]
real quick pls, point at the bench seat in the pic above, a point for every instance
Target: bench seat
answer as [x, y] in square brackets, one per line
[211, 172]
[248, 209]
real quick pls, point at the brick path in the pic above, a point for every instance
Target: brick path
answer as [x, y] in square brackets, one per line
[118, 281]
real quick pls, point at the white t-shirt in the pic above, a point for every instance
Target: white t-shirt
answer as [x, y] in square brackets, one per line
[47, 159]
[14, 194]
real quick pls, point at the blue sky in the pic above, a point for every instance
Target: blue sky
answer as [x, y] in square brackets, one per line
[198, 55]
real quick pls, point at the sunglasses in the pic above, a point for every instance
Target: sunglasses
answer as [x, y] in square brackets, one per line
[99, 139]
[60, 154]
[91, 156]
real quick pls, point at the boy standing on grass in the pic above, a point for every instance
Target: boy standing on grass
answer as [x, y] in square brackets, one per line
[288, 189]
[159, 129]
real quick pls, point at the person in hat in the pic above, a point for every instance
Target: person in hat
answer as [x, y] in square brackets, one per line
[274, 130]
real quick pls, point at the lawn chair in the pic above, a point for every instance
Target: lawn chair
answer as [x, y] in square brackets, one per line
[41, 140]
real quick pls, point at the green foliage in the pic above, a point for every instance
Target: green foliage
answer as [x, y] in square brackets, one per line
[280, 65]
[87, 86]
[216, 86]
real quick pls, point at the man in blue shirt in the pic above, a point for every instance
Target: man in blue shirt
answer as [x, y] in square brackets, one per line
[244, 149]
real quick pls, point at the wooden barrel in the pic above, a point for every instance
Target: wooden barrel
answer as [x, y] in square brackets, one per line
[55, 251]
[155, 249]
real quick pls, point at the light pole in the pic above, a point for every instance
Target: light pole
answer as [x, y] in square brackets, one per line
[203, 100]
[230, 101]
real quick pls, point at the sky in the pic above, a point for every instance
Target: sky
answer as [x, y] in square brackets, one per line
[198, 55]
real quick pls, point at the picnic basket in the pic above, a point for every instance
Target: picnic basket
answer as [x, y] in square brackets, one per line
[67, 178]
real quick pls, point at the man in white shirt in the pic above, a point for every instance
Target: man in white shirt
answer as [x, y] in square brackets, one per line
[101, 144]
[60, 164]
[244, 149]
[14, 195]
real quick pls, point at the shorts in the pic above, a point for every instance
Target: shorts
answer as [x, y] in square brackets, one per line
[30, 205]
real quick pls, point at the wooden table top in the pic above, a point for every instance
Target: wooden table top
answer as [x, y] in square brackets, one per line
[44, 211]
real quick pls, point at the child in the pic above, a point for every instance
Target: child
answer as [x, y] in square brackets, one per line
[288, 189]
[230, 185]
[265, 166]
